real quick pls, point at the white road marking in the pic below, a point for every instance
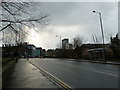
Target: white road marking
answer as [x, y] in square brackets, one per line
[106, 73]
[52, 77]
[92, 69]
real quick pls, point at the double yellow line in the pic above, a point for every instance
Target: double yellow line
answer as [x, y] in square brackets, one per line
[53, 78]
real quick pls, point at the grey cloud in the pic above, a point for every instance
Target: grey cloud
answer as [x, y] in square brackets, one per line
[76, 13]
[65, 16]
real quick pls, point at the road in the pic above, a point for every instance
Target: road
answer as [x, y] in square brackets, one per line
[79, 74]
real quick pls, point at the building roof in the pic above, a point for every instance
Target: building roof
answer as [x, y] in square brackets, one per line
[31, 45]
[64, 39]
[91, 46]
[38, 47]
[95, 49]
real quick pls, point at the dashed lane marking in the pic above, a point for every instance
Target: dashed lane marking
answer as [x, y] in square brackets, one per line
[106, 73]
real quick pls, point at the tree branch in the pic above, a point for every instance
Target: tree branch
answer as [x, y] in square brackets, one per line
[5, 27]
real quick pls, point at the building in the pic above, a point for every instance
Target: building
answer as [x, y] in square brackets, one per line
[31, 50]
[50, 53]
[58, 52]
[119, 34]
[70, 46]
[66, 44]
[23, 49]
[38, 51]
[43, 53]
[9, 50]
[34, 51]
[95, 51]
[115, 45]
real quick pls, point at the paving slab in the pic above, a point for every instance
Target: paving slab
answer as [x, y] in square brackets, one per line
[25, 75]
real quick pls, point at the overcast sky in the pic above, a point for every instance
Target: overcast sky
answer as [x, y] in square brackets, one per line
[68, 19]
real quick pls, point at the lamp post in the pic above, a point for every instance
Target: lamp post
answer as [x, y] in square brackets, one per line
[60, 40]
[100, 15]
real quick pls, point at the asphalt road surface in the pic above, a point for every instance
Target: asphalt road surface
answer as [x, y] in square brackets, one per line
[79, 74]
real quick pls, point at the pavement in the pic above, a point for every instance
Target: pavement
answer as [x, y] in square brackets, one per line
[25, 75]
[94, 61]
[0, 75]
[114, 63]
[108, 62]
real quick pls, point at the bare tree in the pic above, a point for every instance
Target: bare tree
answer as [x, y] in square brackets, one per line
[95, 39]
[18, 15]
[108, 36]
[77, 42]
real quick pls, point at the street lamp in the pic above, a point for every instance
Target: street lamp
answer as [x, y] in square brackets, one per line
[102, 33]
[60, 40]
